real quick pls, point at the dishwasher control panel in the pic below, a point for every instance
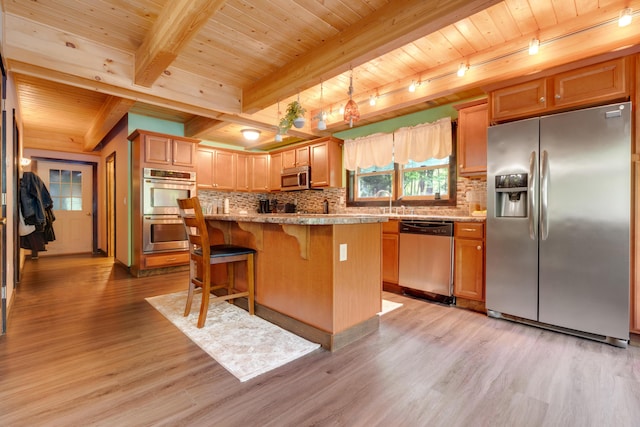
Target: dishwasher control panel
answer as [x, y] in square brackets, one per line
[429, 228]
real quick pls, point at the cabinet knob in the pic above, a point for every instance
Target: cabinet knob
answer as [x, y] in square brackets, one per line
[542, 99]
[558, 96]
[479, 247]
[461, 165]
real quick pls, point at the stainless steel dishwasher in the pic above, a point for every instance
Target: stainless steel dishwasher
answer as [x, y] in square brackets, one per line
[426, 259]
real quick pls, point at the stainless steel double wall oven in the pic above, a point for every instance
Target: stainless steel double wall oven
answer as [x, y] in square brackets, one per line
[162, 228]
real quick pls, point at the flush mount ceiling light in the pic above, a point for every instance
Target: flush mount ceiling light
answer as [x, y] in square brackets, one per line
[412, 86]
[250, 134]
[462, 69]
[351, 113]
[625, 17]
[534, 46]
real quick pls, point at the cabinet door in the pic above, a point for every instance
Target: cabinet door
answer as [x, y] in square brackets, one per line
[472, 140]
[184, 153]
[204, 168]
[224, 171]
[260, 173]
[519, 100]
[469, 269]
[275, 171]
[157, 150]
[320, 168]
[288, 159]
[591, 84]
[390, 258]
[243, 173]
[302, 156]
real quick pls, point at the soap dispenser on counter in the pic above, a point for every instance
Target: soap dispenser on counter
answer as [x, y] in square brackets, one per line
[325, 206]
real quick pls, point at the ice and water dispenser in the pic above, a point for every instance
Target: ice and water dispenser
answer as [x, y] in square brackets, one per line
[511, 195]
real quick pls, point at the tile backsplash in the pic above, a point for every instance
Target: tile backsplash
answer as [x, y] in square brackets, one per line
[311, 201]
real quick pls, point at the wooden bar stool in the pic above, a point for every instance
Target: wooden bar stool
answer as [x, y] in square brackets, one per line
[203, 255]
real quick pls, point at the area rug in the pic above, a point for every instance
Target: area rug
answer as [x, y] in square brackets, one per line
[244, 345]
[388, 306]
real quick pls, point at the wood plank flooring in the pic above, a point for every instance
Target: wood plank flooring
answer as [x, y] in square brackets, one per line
[85, 348]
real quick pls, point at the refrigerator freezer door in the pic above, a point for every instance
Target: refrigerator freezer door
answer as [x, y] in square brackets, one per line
[511, 254]
[585, 258]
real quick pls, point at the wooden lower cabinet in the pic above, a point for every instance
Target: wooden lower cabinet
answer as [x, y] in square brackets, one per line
[469, 261]
[166, 259]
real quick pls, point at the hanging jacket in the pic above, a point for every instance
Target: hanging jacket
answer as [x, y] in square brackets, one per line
[34, 199]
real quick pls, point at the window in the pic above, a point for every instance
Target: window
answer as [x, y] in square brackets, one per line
[65, 187]
[431, 182]
[425, 180]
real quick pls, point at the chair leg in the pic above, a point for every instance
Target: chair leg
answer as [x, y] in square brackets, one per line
[187, 308]
[231, 280]
[251, 283]
[204, 306]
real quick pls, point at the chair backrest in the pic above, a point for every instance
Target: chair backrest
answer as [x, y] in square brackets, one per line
[196, 227]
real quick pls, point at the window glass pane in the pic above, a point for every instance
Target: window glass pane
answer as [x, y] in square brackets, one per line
[65, 176]
[54, 190]
[372, 169]
[76, 204]
[65, 204]
[373, 186]
[76, 189]
[54, 175]
[76, 176]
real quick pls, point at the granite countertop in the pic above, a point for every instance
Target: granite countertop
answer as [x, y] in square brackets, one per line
[334, 218]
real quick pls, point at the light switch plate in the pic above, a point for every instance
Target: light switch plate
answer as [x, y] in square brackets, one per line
[343, 252]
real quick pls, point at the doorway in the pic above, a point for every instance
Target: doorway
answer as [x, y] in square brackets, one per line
[110, 166]
[72, 188]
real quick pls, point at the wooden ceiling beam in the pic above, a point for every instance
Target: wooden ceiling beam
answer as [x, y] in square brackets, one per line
[390, 27]
[178, 23]
[199, 126]
[113, 109]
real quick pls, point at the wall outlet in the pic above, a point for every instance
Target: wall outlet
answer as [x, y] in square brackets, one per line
[341, 201]
[343, 252]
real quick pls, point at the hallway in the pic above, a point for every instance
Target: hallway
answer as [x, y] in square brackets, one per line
[85, 348]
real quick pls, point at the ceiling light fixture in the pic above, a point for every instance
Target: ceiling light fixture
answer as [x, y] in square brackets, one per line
[625, 17]
[412, 86]
[250, 134]
[351, 113]
[462, 69]
[372, 100]
[534, 46]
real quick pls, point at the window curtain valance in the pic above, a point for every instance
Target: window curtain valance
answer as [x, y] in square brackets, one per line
[367, 151]
[417, 143]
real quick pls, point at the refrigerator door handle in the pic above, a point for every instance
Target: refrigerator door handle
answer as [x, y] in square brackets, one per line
[533, 229]
[544, 184]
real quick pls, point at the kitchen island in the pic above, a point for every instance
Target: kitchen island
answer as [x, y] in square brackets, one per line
[318, 276]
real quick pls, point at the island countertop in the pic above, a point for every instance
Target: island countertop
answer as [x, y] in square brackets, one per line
[335, 218]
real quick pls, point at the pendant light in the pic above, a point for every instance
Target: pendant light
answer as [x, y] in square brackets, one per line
[351, 113]
[322, 124]
[278, 137]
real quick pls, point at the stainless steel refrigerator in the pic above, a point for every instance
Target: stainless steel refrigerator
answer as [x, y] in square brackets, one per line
[558, 222]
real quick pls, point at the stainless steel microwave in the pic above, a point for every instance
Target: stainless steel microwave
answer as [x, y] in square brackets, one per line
[295, 178]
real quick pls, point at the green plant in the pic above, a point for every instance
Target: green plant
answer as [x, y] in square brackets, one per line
[294, 110]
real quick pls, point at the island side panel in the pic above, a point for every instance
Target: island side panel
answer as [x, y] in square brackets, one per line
[358, 279]
[287, 283]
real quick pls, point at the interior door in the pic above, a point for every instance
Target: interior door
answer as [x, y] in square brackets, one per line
[70, 186]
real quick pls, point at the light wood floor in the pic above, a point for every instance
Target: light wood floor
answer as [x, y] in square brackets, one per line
[85, 348]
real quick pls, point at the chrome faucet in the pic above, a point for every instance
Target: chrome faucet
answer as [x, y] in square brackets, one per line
[381, 193]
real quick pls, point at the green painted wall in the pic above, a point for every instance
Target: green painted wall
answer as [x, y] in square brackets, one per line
[155, 125]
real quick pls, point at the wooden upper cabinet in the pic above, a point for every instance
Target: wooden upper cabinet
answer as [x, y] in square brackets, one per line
[584, 86]
[599, 82]
[259, 173]
[166, 151]
[473, 121]
[326, 163]
[216, 169]
[521, 100]
[295, 157]
[275, 171]
[243, 174]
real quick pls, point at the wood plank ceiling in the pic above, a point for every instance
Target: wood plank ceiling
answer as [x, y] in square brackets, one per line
[221, 66]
